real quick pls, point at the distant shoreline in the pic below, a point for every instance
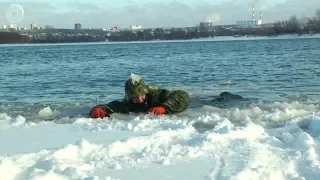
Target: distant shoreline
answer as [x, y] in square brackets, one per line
[207, 39]
[294, 27]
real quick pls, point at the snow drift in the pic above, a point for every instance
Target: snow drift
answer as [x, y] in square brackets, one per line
[263, 141]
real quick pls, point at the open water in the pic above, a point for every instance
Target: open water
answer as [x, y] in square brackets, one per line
[76, 77]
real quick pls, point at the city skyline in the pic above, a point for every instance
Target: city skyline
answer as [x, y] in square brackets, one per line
[156, 13]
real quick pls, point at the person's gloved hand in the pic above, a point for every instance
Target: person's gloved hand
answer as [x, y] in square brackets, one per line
[98, 113]
[157, 110]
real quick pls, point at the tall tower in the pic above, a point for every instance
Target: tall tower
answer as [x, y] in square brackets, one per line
[260, 20]
[253, 13]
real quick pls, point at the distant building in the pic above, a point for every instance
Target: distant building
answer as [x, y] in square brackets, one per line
[247, 24]
[33, 26]
[48, 27]
[4, 27]
[115, 29]
[135, 27]
[77, 26]
[267, 25]
[250, 24]
[205, 26]
[100, 29]
[11, 26]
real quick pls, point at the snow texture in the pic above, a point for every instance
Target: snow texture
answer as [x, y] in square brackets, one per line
[268, 141]
[135, 78]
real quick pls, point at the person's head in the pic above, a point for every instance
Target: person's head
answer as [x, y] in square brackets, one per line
[135, 89]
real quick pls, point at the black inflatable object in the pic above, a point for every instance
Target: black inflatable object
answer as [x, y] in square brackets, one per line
[226, 96]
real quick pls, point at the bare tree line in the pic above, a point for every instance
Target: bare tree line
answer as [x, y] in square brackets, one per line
[303, 25]
[294, 25]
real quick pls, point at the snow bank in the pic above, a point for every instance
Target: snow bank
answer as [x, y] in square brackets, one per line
[237, 152]
[214, 144]
[47, 112]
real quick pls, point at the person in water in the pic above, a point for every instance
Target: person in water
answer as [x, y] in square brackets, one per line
[142, 98]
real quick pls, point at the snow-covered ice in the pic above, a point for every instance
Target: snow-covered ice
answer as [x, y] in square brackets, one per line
[215, 38]
[265, 141]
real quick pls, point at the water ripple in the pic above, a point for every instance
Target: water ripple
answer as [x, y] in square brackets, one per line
[78, 73]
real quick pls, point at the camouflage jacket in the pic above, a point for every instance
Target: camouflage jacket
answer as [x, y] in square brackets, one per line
[174, 101]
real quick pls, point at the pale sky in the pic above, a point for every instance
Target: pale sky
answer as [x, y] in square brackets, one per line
[153, 13]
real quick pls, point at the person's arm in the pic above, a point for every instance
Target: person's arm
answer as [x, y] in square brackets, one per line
[103, 110]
